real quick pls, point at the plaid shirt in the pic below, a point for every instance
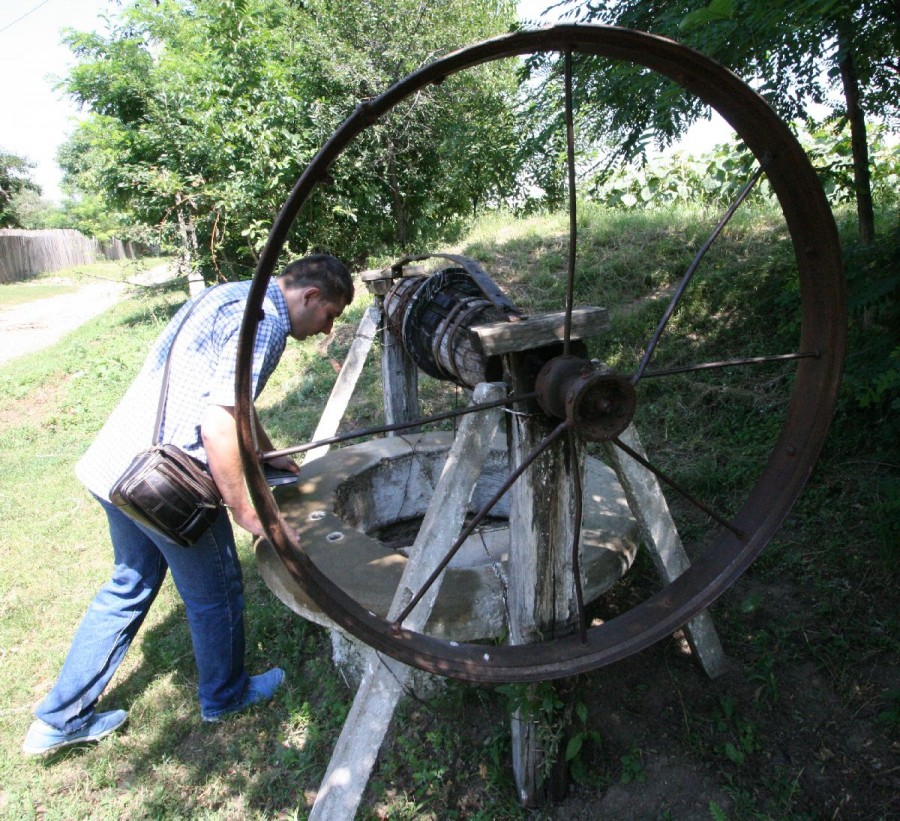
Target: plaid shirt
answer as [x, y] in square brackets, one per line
[202, 373]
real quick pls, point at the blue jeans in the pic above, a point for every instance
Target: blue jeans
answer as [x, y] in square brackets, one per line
[208, 578]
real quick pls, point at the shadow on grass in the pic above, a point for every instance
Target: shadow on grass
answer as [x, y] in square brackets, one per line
[263, 760]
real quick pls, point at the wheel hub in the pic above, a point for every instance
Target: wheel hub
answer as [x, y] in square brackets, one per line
[596, 401]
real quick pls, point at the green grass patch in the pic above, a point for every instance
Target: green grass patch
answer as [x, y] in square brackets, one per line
[806, 719]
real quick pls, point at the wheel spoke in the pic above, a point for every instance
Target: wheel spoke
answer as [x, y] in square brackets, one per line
[678, 488]
[685, 280]
[573, 227]
[359, 433]
[574, 467]
[478, 518]
[813, 393]
[731, 363]
[578, 490]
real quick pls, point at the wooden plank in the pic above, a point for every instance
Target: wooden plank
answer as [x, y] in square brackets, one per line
[498, 338]
[346, 381]
[400, 382]
[660, 536]
[378, 281]
[384, 679]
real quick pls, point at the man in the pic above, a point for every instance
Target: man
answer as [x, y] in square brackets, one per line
[199, 418]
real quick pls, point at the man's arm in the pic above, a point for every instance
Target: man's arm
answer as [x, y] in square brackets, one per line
[218, 429]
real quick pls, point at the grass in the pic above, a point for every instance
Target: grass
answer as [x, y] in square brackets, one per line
[68, 280]
[805, 727]
[56, 553]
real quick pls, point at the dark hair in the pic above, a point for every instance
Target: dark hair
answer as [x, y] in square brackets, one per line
[325, 272]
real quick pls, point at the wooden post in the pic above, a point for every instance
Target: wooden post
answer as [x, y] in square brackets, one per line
[399, 374]
[541, 596]
[541, 585]
[346, 381]
[399, 380]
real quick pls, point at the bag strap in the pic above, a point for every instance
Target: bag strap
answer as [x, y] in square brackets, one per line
[164, 389]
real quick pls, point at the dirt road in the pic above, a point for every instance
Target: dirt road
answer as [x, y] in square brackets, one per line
[36, 325]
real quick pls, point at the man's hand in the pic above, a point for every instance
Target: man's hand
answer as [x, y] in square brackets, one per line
[265, 444]
[284, 463]
[218, 430]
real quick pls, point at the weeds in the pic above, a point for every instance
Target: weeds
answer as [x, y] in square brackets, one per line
[742, 732]
[889, 717]
[812, 627]
[632, 767]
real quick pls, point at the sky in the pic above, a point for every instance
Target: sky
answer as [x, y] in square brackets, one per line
[36, 119]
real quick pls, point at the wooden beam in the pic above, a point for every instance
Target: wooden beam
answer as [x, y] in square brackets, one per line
[346, 381]
[541, 596]
[399, 382]
[384, 678]
[661, 539]
[498, 338]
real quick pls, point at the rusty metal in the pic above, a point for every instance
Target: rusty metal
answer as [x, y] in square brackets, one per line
[487, 286]
[396, 301]
[729, 363]
[573, 221]
[600, 404]
[782, 478]
[361, 433]
[664, 477]
[428, 318]
[578, 515]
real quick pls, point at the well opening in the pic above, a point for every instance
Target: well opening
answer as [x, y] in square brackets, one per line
[388, 502]
[373, 495]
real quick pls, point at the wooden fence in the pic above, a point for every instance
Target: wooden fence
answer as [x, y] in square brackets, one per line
[25, 253]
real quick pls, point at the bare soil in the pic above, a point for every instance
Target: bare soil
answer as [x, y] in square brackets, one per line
[794, 729]
[36, 325]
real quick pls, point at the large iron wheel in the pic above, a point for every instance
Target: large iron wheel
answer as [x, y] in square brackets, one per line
[735, 540]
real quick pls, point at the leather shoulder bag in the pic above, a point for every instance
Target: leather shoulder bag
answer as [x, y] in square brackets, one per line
[164, 488]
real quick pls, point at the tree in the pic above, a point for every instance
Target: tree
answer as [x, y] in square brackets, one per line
[15, 178]
[204, 114]
[794, 53]
[35, 213]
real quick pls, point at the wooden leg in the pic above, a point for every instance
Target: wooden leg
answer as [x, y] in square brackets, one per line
[384, 679]
[346, 381]
[660, 537]
[400, 381]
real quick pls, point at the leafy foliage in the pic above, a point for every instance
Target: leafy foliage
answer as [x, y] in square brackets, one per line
[716, 177]
[32, 212]
[840, 53]
[873, 370]
[830, 152]
[710, 180]
[792, 51]
[204, 115]
[15, 179]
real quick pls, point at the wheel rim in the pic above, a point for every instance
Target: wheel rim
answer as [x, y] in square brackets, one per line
[789, 464]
